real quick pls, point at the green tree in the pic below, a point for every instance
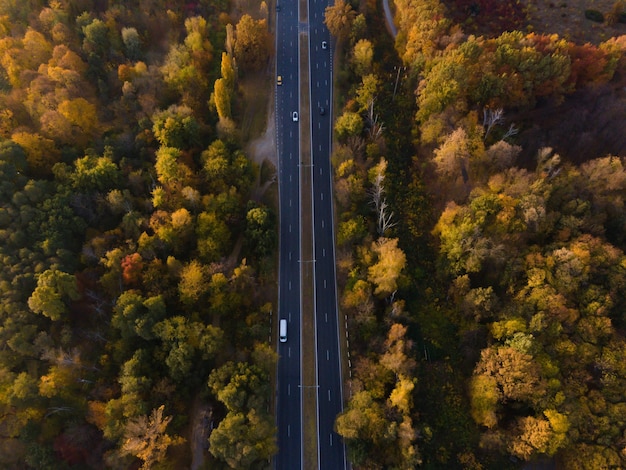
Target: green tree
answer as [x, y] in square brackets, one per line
[96, 38]
[240, 386]
[135, 315]
[95, 174]
[366, 94]
[171, 172]
[55, 289]
[243, 439]
[176, 127]
[213, 236]
[349, 124]
[260, 232]
[186, 343]
[132, 43]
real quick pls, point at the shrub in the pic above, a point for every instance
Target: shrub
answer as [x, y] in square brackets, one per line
[594, 15]
[616, 12]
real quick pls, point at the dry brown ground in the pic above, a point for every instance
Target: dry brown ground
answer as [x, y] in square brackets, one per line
[567, 19]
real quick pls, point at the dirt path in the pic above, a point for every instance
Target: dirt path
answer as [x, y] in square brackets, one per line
[200, 424]
[264, 147]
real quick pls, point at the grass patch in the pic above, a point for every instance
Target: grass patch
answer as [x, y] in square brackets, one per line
[254, 93]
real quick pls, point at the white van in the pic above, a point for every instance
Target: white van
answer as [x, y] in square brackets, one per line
[283, 331]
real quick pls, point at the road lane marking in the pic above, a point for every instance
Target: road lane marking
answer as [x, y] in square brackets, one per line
[289, 430]
[289, 228]
[331, 439]
[322, 196]
[327, 355]
[289, 351]
[329, 395]
[323, 249]
[322, 223]
[290, 256]
[326, 315]
[324, 283]
[289, 285]
[288, 389]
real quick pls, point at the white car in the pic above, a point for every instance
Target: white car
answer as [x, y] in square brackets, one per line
[324, 45]
[294, 116]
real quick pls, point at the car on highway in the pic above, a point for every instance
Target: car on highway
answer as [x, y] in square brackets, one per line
[279, 80]
[283, 331]
[294, 116]
[324, 45]
[322, 110]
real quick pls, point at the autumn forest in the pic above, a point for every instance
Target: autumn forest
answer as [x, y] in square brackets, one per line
[482, 268]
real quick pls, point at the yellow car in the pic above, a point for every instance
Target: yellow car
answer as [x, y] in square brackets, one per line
[279, 80]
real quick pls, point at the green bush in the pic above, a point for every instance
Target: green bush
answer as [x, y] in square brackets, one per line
[594, 15]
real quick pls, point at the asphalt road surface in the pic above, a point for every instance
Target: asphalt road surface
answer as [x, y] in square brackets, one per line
[289, 393]
[332, 454]
[331, 449]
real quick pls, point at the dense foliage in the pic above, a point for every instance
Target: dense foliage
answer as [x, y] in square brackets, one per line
[126, 296]
[484, 293]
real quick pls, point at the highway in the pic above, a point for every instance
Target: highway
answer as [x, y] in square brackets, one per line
[331, 449]
[289, 392]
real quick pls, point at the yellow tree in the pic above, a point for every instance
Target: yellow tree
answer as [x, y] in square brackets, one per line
[363, 55]
[146, 438]
[339, 19]
[41, 153]
[82, 115]
[222, 98]
[251, 43]
[384, 274]
[194, 282]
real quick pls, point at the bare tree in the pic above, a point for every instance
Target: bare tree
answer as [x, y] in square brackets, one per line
[491, 117]
[377, 192]
[375, 128]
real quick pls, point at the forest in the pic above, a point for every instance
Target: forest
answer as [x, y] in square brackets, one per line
[136, 252]
[482, 269]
